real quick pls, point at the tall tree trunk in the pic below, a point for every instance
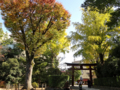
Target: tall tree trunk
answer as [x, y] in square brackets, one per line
[28, 78]
[52, 59]
[101, 57]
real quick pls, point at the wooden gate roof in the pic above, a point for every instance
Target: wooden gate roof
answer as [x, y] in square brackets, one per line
[80, 64]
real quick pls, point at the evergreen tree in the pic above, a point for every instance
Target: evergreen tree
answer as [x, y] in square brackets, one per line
[11, 71]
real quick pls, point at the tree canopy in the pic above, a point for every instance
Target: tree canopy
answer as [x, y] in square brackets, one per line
[105, 6]
[1, 31]
[11, 71]
[110, 68]
[92, 36]
[12, 65]
[43, 20]
[77, 74]
[4, 41]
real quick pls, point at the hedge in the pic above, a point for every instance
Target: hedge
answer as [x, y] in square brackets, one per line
[108, 81]
[57, 81]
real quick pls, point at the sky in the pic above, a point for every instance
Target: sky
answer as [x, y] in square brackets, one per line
[73, 7]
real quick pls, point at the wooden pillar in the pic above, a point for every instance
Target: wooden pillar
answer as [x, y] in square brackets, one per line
[90, 75]
[81, 67]
[72, 75]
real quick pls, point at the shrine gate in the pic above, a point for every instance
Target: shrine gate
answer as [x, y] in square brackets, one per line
[81, 68]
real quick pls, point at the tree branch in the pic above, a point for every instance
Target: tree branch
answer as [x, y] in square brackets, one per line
[43, 43]
[31, 13]
[48, 26]
[40, 19]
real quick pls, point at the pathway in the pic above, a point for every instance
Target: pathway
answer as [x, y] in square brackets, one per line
[84, 87]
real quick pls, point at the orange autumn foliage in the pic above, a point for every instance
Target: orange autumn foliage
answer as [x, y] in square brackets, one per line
[39, 15]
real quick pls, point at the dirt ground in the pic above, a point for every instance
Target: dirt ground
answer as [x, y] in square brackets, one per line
[19, 89]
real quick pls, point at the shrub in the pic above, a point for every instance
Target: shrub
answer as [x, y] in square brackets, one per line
[57, 81]
[54, 71]
[108, 81]
[35, 85]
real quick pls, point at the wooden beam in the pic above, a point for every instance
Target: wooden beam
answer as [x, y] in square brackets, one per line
[81, 69]
[77, 64]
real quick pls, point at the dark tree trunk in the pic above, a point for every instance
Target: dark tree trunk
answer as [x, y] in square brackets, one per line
[101, 57]
[52, 59]
[28, 78]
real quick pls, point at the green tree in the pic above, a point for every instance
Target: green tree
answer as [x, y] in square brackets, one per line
[13, 54]
[33, 23]
[77, 74]
[4, 37]
[40, 69]
[91, 38]
[6, 40]
[100, 4]
[57, 46]
[44, 68]
[105, 6]
[111, 67]
[115, 49]
[49, 60]
[11, 71]
[1, 32]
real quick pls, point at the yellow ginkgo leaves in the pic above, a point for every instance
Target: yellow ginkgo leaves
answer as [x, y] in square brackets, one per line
[92, 36]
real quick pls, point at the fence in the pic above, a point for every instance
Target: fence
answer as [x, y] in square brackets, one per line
[19, 87]
[13, 86]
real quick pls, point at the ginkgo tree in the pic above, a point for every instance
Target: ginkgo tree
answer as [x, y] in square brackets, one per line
[104, 6]
[33, 23]
[57, 46]
[92, 37]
